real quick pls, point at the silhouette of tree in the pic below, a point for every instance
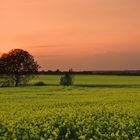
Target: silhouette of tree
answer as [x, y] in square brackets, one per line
[67, 78]
[17, 63]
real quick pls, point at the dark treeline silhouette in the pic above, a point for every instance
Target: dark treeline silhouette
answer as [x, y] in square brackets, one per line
[117, 72]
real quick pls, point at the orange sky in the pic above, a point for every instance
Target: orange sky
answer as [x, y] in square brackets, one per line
[78, 34]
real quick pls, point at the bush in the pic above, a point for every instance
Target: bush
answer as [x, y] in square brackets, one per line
[40, 84]
[6, 84]
[9, 80]
[24, 79]
[6, 81]
[66, 80]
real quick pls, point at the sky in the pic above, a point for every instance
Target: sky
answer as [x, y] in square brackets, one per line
[78, 34]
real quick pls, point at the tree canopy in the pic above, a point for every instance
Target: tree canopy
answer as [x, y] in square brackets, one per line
[18, 62]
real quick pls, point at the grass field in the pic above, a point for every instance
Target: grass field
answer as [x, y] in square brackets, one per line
[110, 110]
[91, 80]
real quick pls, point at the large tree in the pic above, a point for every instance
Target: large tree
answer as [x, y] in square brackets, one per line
[17, 64]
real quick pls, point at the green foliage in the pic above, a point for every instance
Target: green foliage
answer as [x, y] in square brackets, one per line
[66, 80]
[39, 84]
[6, 81]
[9, 80]
[70, 113]
[18, 62]
[24, 79]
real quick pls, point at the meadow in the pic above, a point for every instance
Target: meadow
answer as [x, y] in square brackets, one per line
[95, 108]
[94, 80]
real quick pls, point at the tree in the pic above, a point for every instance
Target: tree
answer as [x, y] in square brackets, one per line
[18, 64]
[67, 79]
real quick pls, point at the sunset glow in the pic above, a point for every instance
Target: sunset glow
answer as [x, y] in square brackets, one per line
[78, 34]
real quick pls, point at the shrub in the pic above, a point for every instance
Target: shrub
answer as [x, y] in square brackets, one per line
[6, 84]
[40, 84]
[66, 80]
[6, 81]
[9, 80]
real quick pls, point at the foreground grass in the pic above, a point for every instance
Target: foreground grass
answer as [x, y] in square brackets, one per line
[54, 112]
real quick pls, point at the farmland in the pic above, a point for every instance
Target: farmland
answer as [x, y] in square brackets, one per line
[92, 80]
[96, 107]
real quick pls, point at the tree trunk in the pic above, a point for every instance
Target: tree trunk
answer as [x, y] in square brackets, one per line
[16, 80]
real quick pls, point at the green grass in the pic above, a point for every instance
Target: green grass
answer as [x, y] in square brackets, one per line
[55, 112]
[91, 79]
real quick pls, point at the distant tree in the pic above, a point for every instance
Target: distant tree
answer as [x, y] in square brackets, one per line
[19, 65]
[67, 79]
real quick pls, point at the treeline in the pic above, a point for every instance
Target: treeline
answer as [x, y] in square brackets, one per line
[18, 67]
[125, 72]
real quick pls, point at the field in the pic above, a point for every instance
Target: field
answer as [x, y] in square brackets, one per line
[94, 80]
[95, 108]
